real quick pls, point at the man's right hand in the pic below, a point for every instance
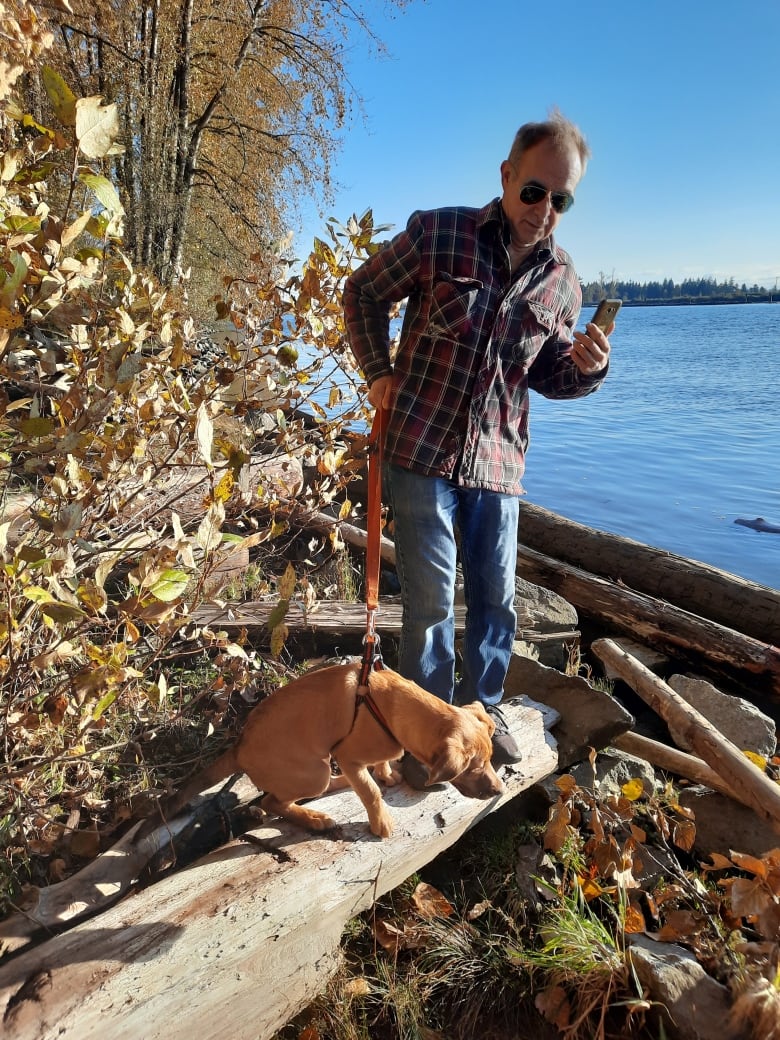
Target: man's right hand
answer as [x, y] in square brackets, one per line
[380, 392]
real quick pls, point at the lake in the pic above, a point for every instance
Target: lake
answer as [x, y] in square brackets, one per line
[682, 439]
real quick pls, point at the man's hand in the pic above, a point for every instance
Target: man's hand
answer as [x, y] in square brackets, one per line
[590, 350]
[380, 392]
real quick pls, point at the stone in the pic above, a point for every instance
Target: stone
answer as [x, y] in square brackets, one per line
[736, 718]
[693, 1004]
[723, 825]
[589, 718]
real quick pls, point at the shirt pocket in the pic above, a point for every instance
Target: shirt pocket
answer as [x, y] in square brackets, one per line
[454, 306]
[533, 324]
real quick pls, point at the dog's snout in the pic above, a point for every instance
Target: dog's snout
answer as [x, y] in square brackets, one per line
[483, 783]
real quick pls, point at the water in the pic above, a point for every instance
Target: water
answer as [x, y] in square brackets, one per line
[681, 440]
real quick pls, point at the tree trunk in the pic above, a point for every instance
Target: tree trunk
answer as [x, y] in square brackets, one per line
[696, 587]
[657, 622]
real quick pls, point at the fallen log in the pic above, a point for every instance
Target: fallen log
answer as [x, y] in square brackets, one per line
[748, 783]
[673, 761]
[245, 938]
[654, 621]
[696, 587]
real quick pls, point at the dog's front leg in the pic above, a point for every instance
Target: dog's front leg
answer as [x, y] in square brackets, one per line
[365, 787]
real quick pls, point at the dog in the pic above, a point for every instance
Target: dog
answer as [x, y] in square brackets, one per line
[290, 738]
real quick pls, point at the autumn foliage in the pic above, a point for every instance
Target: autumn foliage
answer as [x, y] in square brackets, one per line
[125, 458]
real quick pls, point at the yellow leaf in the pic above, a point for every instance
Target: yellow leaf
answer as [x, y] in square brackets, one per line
[278, 639]
[74, 230]
[756, 759]
[633, 789]
[9, 319]
[224, 488]
[286, 584]
[97, 126]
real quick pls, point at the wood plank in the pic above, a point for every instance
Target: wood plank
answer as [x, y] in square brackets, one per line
[245, 938]
[338, 616]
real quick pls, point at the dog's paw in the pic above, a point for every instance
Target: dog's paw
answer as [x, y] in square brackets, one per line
[383, 827]
[318, 821]
[387, 774]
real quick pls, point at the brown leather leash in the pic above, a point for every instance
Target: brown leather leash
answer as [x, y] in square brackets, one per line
[372, 656]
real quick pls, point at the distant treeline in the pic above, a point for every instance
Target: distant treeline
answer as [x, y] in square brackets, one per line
[692, 290]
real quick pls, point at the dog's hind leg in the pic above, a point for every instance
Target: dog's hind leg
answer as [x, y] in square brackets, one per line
[311, 819]
[284, 792]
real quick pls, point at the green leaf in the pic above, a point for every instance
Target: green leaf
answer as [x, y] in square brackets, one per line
[62, 613]
[38, 426]
[170, 585]
[105, 192]
[62, 98]
[105, 702]
[11, 282]
[20, 223]
[277, 614]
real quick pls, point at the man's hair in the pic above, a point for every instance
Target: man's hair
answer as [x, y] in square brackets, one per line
[556, 128]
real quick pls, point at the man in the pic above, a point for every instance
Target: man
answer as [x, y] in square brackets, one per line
[492, 304]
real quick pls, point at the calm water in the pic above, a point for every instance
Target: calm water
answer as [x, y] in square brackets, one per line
[682, 438]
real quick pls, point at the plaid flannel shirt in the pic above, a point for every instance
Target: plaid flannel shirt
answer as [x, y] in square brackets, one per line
[475, 337]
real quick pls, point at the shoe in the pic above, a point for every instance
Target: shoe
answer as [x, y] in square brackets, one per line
[505, 750]
[414, 772]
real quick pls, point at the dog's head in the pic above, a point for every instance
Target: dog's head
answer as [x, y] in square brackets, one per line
[463, 759]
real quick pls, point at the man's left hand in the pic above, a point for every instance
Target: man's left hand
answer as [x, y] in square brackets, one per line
[590, 349]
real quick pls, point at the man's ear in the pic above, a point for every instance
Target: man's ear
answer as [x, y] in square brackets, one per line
[506, 172]
[448, 763]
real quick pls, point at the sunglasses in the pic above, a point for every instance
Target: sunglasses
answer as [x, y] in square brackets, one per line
[532, 193]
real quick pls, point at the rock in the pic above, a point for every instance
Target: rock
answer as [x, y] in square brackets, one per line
[737, 719]
[693, 1004]
[723, 824]
[612, 771]
[589, 718]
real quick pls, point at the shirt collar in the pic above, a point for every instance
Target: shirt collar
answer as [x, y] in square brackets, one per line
[493, 215]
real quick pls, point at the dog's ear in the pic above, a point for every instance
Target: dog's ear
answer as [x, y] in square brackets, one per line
[450, 762]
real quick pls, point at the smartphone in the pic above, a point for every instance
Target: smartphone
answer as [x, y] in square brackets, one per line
[606, 312]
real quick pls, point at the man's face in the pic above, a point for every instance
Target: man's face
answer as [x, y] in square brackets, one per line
[547, 165]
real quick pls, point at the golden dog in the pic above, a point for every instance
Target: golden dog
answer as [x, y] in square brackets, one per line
[289, 740]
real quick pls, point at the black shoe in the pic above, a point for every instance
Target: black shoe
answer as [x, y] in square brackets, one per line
[414, 772]
[505, 750]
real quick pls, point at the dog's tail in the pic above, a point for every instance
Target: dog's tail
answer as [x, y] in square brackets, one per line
[170, 806]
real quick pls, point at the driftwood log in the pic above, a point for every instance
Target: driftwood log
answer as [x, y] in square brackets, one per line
[747, 782]
[693, 586]
[241, 941]
[654, 621]
[673, 761]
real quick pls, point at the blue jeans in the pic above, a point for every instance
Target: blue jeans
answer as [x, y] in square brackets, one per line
[426, 513]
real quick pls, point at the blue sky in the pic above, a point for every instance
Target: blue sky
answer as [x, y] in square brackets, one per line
[680, 103]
